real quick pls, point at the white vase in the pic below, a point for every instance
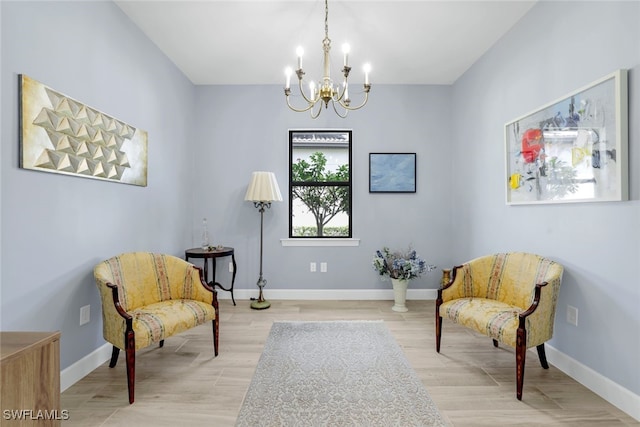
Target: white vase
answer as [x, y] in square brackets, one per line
[399, 294]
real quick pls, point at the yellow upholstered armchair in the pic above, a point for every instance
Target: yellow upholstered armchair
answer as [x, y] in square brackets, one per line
[147, 297]
[510, 297]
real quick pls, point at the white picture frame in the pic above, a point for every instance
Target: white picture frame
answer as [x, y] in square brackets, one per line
[573, 149]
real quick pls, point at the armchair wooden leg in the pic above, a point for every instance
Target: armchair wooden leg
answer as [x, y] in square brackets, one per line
[114, 357]
[131, 363]
[438, 324]
[438, 333]
[495, 343]
[161, 343]
[543, 356]
[521, 352]
[214, 322]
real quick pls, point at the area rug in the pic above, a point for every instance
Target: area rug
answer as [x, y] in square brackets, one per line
[331, 373]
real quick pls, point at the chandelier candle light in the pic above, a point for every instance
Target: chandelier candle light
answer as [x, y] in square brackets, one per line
[325, 91]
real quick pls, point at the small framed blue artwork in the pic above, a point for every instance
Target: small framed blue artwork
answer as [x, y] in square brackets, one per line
[392, 172]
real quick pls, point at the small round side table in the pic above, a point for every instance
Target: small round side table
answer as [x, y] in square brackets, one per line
[212, 255]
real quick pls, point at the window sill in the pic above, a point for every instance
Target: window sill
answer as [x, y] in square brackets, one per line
[321, 242]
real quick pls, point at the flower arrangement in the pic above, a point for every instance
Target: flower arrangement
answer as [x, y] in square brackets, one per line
[404, 265]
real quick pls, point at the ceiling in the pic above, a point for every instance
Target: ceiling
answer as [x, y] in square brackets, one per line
[251, 42]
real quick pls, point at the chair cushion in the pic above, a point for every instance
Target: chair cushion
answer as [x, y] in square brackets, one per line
[495, 319]
[157, 321]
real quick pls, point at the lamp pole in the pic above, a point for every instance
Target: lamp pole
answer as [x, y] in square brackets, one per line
[261, 303]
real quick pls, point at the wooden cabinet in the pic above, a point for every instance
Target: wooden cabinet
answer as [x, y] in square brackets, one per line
[30, 379]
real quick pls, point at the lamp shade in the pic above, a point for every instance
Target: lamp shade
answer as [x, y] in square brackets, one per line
[263, 188]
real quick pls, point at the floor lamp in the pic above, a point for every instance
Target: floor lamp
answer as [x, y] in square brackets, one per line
[263, 189]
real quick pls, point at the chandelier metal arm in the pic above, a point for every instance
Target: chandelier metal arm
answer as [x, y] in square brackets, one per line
[345, 71]
[346, 110]
[287, 92]
[297, 110]
[300, 73]
[317, 113]
[367, 88]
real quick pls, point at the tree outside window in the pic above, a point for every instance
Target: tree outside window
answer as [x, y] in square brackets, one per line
[320, 183]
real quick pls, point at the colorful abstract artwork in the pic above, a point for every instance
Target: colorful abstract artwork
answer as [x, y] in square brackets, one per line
[573, 149]
[61, 135]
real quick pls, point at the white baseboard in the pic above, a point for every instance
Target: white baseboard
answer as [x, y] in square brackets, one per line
[329, 294]
[610, 391]
[74, 373]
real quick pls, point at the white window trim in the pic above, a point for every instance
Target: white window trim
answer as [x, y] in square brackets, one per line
[320, 242]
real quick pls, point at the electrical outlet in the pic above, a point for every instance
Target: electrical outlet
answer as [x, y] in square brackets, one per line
[572, 315]
[323, 267]
[312, 267]
[230, 267]
[85, 314]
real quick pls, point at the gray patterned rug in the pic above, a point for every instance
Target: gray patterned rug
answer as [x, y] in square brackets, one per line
[341, 373]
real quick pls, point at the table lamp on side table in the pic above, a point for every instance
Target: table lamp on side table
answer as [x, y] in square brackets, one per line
[263, 189]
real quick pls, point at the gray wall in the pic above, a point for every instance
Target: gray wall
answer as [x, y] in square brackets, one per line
[55, 228]
[556, 48]
[244, 128]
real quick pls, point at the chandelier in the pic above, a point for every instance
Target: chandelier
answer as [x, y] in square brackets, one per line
[325, 91]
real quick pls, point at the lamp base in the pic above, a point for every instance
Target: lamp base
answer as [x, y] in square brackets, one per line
[260, 305]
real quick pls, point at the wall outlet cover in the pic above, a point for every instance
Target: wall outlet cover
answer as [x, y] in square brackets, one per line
[572, 315]
[85, 314]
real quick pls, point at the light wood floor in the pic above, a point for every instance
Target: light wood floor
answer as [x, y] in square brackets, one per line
[471, 382]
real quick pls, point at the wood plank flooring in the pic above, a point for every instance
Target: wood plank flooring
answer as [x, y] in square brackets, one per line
[471, 382]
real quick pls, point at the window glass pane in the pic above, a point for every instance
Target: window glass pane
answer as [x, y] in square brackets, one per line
[320, 211]
[320, 183]
[320, 156]
[320, 164]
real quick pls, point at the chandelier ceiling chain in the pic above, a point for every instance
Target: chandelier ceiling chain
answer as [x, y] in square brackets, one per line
[325, 91]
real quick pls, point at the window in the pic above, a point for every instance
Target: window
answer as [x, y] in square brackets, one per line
[320, 183]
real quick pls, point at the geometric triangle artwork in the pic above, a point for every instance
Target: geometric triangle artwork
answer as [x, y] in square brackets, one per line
[60, 134]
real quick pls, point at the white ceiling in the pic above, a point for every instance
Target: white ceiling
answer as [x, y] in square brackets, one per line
[251, 42]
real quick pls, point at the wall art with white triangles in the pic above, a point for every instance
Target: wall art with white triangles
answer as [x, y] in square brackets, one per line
[61, 135]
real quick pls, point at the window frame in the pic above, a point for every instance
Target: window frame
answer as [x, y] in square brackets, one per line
[348, 184]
